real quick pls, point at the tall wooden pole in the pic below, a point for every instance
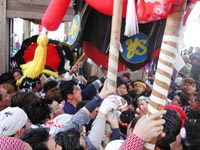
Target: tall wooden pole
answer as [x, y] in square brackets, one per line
[80, 60]
[114, 44]
[165, 63]
[4, 40]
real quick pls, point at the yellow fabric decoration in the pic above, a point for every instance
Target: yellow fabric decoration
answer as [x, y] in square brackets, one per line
[140, 83]
[51, 73]
[48, 72]
[34, 68]
[20, 80]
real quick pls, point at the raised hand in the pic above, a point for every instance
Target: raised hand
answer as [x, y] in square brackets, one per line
[149, 128]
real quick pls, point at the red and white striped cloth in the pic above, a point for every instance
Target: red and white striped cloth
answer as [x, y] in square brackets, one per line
[133, 142]
[10, 143]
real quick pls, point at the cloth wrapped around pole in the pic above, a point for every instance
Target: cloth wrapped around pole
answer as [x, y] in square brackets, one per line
[166, 62]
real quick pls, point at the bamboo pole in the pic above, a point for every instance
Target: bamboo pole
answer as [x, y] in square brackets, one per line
[81, 59]
[165, 63]
[114, 45]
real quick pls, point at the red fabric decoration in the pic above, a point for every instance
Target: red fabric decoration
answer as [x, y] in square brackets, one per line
[151, 11]
[106, 6]
[54, 14]
[148, 10]
[92, 52]
[52, 59]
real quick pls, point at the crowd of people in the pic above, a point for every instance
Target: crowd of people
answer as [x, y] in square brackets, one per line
[83, 114]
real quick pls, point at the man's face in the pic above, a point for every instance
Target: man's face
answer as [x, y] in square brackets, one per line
[77, 93]
[194, 103]
[184, 87]
[139, 89]
[191, 88]
[17, 75]
[5, 98]
[56, 108]
[125, 78]
[122, 89]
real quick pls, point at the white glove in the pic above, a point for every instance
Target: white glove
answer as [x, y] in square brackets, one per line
[110, 103]
[67, 76]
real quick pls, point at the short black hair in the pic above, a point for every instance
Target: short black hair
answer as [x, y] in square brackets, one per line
[6, 77]
[22, 99]
[120, 82]
[183, 99]
[38, 112]
[49, 85]
[36, 138]
[127, 74]
[124, 119]
[18, 70]
[66, 87]
[69, 139]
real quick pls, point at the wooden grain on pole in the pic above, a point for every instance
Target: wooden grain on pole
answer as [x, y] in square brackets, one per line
[165, 63]
[114, 44]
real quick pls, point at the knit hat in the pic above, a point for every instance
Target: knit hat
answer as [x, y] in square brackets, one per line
[10, 143]
[11, 120]
[172, 128]
[49, 85]
[179, 110]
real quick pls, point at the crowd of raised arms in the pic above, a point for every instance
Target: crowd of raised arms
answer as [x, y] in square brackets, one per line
[83, 114]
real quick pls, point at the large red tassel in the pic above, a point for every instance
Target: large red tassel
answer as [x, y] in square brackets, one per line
[54, 14]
